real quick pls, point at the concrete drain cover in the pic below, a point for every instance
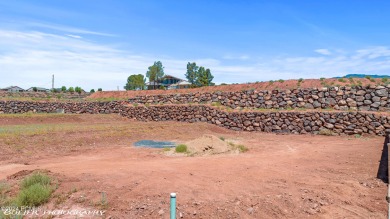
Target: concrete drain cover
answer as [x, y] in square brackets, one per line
[154, 144]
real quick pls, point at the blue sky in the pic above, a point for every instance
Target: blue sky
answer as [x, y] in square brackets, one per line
[93, 43]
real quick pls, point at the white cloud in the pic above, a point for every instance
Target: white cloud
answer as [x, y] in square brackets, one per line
[66, 29]
[236, 57]
[323, 51]
[74, 36]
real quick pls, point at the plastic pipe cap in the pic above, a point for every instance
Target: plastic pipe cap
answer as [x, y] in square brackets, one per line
[173, 195]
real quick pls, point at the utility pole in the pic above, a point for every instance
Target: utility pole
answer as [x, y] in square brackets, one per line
[52, 83]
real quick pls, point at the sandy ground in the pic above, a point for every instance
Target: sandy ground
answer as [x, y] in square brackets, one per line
[285, 84]
[281, 176]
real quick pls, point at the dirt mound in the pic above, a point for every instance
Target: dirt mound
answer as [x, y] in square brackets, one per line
[208, 145]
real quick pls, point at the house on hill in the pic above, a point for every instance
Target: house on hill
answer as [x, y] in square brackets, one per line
[38, 89]
[12, 89]
[169, 82]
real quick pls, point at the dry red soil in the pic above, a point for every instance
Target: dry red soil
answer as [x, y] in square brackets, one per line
[288, 84]
[281, 176]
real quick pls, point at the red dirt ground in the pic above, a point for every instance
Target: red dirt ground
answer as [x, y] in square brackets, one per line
[288, 84]
[281, 176]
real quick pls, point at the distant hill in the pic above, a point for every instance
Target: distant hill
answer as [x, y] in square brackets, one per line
[363, 76]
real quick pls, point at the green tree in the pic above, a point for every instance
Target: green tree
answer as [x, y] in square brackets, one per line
[204, 77]
[35, 89]
[155, 72]
[92, 91]
[99, 89]
[78, 89]
[71, 89]
[192, 73]
[63, 89]
[135, 82]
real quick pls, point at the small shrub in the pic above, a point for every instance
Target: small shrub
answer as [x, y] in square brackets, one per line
[242, 148]
[181, 148]
[372, 80]
[34, 195]
[166, 149]
[222, 138]
[368, 77]
[322, 79]
[281, 80]
[35, 190]
[99, 89]
[135, 104]
[300, 80]
[358, 136]
[342, 80]
[271, 82]
[37, 178]
[384, 80]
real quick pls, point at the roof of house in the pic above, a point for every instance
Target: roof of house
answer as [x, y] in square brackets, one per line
[38, 88]
[10, 87]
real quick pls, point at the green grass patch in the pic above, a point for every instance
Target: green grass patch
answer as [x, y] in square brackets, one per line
[36, 178]
[222, 138]
[35, 190]
[34, 195]
[181, 148]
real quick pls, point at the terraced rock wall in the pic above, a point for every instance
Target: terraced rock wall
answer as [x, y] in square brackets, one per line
[370, 98]
[327, 123]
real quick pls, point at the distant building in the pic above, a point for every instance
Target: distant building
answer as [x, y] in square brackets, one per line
[39, 89]
[13, 89]
[168, 82]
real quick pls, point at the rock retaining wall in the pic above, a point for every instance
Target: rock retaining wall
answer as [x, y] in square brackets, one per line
[278, 122]
[68, 107]
[370, 98]
[43, 95]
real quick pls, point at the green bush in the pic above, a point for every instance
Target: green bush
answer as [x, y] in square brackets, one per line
[384, 80]
[281, 80]
[35, 190]
[242, 148]
[342, 80]
[321, 79]
[300, 80]
[368, 77]
[181, 148]
[34, 195]
[36, 178]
